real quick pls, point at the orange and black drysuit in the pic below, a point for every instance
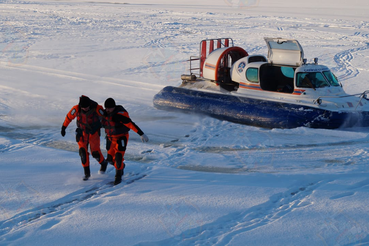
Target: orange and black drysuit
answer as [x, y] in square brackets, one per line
[117, 125]
[88, 130]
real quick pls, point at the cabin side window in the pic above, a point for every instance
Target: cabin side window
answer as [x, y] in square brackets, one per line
[257, 58]
[288, 72]
[252, 74]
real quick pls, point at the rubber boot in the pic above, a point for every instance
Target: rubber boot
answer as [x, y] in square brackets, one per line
[118, 176]
[103, 167]
[87, 173]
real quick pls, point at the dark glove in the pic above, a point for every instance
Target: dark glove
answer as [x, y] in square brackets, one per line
[63, 131]
[79, 134]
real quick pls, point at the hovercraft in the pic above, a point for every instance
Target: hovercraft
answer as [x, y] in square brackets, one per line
[281, 90]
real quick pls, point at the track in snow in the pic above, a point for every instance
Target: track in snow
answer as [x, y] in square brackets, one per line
[223, 230]
[343, 60]
[52, 213]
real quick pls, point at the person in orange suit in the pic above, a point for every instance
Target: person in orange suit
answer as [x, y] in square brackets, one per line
[89, 114]
[117, 124]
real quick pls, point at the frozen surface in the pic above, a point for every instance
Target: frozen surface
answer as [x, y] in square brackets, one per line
[199, 181]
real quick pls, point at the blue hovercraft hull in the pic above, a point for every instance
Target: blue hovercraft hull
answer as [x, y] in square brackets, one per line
[268, 114]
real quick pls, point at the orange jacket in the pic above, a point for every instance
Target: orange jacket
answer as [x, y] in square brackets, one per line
[88, 121]
[118, 122]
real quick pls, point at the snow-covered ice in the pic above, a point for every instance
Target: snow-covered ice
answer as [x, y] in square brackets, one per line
[198, 181]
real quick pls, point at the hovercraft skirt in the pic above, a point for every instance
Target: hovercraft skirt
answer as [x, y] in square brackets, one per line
[248, 111]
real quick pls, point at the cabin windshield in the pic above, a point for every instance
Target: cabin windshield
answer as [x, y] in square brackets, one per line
[311, 80]
[332, 79]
